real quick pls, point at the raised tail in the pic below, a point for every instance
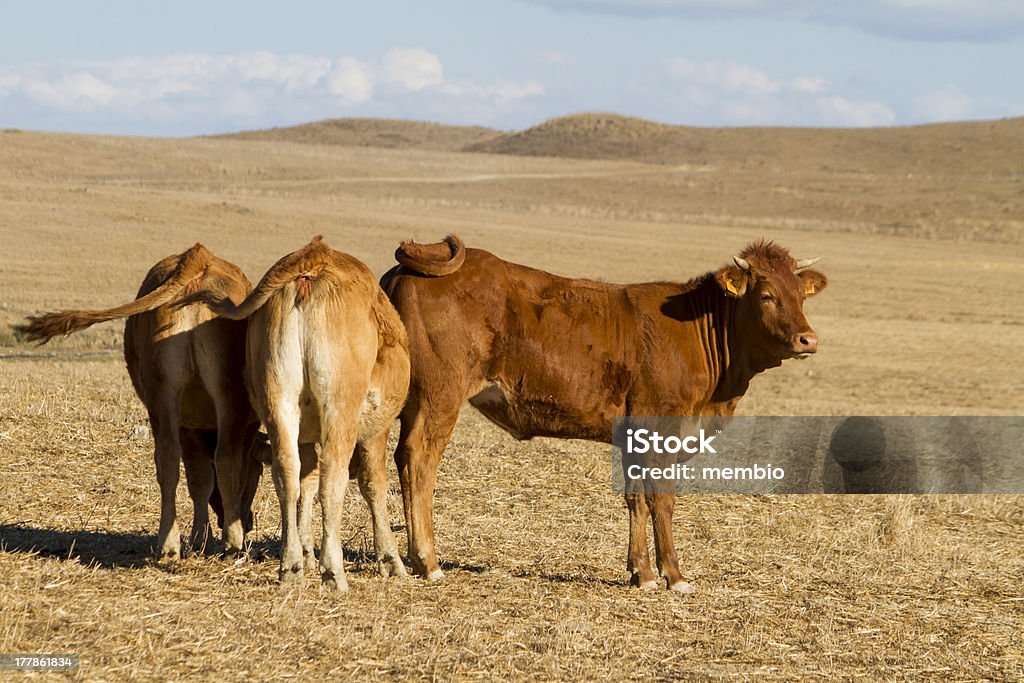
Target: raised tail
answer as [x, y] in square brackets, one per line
[304, 265]
[186, 276]
[440, 258]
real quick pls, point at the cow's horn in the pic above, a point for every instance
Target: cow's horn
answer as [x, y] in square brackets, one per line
[741, 262]
[805, 263]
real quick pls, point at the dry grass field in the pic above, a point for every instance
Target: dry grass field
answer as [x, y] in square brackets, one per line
[922, 234]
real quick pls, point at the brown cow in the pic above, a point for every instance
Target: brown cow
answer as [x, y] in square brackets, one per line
[328, 364]
[542, 355]
[186, 366]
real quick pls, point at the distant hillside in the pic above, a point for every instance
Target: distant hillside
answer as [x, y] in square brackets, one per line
[376, 133]
[975, 147]
[988, 146]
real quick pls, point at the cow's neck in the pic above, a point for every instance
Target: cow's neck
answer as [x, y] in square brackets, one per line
[730, 362]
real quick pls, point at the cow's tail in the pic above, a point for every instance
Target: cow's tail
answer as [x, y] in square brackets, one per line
[186, 277]
[304, 266]
[437, 259]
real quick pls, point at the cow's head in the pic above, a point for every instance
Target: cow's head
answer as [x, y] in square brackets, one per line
[771, 286]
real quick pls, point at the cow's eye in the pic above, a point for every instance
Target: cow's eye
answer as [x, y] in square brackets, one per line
[767, 297]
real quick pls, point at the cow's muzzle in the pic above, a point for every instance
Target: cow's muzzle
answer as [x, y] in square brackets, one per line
[804, 344]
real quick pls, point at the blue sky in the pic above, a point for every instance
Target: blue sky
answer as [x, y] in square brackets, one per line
[186, 68]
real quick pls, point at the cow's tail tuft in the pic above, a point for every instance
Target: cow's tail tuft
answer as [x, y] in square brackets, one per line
[437, 259]
[187, 276]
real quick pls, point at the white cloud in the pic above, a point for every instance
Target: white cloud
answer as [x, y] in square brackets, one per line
[977, 20]
[414, 68]
[498, 91]
[726, 76]
[8, 82]
[739, 94]
[810, 84]
[203, 93]
[945, 104]
[291, 71]
[837, 110]
[351, 80]
[75, 90]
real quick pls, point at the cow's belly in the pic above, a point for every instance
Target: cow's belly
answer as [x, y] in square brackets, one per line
[525, 417]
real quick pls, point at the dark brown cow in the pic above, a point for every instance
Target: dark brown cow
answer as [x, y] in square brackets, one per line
[542, 355]
[186, 366]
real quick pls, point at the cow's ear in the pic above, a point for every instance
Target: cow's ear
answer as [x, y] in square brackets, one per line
[732, 280]
[813, 281]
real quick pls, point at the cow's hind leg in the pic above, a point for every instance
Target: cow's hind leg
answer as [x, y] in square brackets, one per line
[199, 474]
[662, 505]
[638, 558]
[426, 427]
[165, 419]
[373, 483]
[283, 430]
[339, 438]
[308, 483]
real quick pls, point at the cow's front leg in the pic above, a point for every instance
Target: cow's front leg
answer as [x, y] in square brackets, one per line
[252, 469]
[662, 506]
[228, 460]
[638, 558]
[200, 477]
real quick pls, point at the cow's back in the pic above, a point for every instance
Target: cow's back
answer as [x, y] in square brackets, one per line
[538, 354]
[326, 339]
[451, 320]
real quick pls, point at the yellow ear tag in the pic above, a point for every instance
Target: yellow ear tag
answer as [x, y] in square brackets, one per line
[809, 289]
[731, 287]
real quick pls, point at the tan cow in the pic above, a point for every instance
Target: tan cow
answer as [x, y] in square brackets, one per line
[543, 355]
[328, 364]
[186, 366]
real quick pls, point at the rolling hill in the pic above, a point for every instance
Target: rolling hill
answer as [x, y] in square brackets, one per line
[975, 147]
[386, 133]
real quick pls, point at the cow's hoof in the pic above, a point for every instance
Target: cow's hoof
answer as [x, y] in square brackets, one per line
[197, 545]
[168, 555]
[642, 580]
[292, 577]
[233, 555]
[309, 560]
[330, 581]
[392, 567]
[435, 576]
[682, 587]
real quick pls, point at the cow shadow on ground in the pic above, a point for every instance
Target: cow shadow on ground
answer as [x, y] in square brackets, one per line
[106, 549]
[122, 549]
[574, 579]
